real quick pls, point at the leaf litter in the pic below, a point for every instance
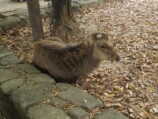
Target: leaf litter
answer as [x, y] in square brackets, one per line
[131, 85]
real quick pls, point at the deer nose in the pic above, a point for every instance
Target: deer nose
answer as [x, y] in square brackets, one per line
[118, 58]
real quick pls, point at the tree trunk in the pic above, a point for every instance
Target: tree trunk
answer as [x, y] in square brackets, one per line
[35, 19]
[64, 21]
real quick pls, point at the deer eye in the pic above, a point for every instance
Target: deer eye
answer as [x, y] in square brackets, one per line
[104, 46]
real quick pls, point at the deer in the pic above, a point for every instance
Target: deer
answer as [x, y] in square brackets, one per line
[67, 63]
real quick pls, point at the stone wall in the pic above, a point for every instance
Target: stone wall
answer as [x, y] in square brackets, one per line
[8, 22]
[27, 93]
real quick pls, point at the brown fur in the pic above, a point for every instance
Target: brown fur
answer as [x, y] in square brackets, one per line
[66, 63]
[52, 42]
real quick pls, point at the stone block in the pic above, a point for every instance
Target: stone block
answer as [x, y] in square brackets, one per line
[6, 74]
[10, 22]
[1, 19]
[63, 86]
[9, 60]
[57, 102]
[23, 20]
[31, 94]
[6, 108]
[1, 46]
[6, 66]
[5, 52]
[111, 114]
[77, 113]
[79, 98]
[44, 111]
[10, 85]
[29, 68]
[41, 78]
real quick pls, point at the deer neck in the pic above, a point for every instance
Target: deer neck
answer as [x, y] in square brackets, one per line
[90, 62]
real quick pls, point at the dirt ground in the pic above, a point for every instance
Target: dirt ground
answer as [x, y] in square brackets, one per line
[131, 85]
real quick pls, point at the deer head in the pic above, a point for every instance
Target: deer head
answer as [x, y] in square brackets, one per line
[103, 48]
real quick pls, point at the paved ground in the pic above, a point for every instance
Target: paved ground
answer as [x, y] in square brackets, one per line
[8, 5]
[11, 6]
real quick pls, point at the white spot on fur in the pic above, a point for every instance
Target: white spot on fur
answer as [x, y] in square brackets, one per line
[98, 36]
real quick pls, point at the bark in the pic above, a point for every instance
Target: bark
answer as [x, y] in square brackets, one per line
[35, 19]
[64, 21]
